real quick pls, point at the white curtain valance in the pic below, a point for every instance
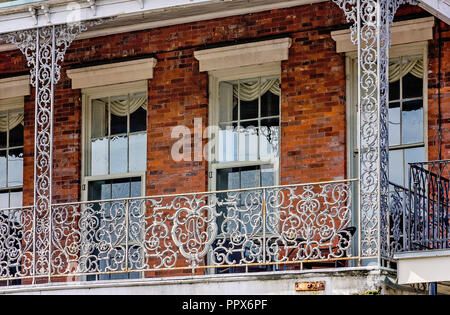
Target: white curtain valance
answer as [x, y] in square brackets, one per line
[14, 121]
[250, 91]
[120, 108]
[415, 67]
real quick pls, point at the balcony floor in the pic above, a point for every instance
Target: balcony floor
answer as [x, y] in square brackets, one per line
[342, 281]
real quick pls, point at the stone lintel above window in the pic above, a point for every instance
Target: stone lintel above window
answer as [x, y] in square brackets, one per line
[242, 55]
[114, 73]
[14, 87]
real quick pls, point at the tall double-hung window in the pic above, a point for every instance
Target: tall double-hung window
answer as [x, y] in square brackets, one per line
[11, 153]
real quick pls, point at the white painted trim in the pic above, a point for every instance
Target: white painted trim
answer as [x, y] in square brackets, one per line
[236, 56]
[115, 73]
[404, 32]
[423, 266]
[14, 87]
[439, 8]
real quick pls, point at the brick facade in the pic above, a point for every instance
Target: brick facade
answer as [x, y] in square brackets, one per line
[313, 116]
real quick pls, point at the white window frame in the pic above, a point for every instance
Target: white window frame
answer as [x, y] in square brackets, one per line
[12, 104]
[232, 74]
[88, 95]
[404, 50]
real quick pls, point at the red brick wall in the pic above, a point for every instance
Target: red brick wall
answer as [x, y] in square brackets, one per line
[313, 96]
[433, 93]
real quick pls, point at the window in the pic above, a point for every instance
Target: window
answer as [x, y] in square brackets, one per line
[407, 111]
[406, 116]
[11, 154]
[248, 132]
[115, 161]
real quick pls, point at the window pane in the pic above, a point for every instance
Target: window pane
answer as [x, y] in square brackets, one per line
[99, 125]
[413, 156]
[396, 167]
[136, 187]
[119, 112]
[394, 124]
[394, 91]
[270, 101]
[119, 155]
[267, 176]
[99, 157]
[3, 169]
[248, 141]
[250, 178]
[138, 152]
[412, 122]
[412, 86]
[138, 120]
[121, 189]
[15, 199]
[228, 141]
[249, 97]
[269, 138]
[15, 167]
[228, 102]
[4, 200]
[16, 136]
[99, 190]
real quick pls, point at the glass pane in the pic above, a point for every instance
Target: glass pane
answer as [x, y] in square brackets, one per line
[136, 187]
[412, 122]
[248, 141]
[15, 199]
[396, 167]
[99, 190]
[413, 156]
[121, 189]
[99, 157]
[227, 179]
[4, 200]
[270, 101]
[394, 91]
[267, 176]
[16, 136]
[228, 141]
[228, 102]
[15, 167]
[138, 120]
[119, 112]
[99, 123]
[412, 86]
[249, 92]
[2, 169]
[269, 139]
[250, 178]
[138, 152]
[119, 155]
[394, 124]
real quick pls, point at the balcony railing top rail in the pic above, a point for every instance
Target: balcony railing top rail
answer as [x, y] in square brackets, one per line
[253, 229]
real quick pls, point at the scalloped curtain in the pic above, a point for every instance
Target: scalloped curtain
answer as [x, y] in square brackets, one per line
[415, 67]
[14, 121]
[120, 108]
[250, 91]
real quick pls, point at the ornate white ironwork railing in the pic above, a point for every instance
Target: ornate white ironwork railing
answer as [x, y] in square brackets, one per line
[209, 232]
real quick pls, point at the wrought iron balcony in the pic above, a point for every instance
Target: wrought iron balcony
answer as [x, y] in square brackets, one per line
[248, 230]
[429, 218]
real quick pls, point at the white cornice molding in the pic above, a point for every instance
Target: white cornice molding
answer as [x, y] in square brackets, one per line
[243, 55]
[114, 73]
[14, 87]
[139, 26]
[403, 32]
